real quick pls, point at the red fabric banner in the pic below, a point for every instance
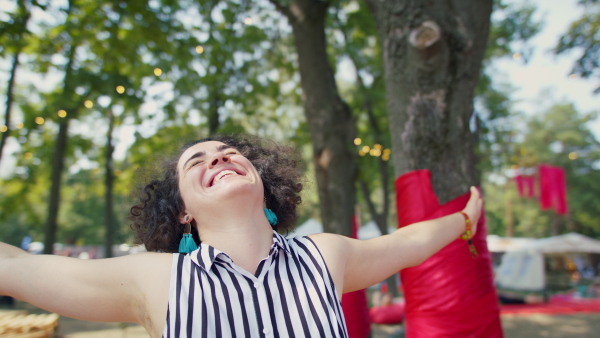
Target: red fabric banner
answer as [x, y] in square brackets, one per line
[553, 189]
[451, 294]
[355, 306]
[525, 185]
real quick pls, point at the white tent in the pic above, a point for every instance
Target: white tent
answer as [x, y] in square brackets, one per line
[496, 243]
[370, 230]
[571, 242]
[523, 268]
[312, 226]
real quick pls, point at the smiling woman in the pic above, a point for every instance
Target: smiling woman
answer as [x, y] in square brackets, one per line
[244, 279]
[156, 218]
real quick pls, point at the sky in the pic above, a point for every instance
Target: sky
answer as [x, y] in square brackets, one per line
[545, 71]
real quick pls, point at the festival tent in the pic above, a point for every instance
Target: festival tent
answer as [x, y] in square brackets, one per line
[522, 268]
[312, 226]
[499, 244]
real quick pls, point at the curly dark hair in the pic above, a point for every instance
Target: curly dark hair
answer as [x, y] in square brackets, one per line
[155, 218]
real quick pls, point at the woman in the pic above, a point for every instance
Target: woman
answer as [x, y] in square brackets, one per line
[245, 279]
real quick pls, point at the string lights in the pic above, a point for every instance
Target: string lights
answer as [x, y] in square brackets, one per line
[376, 151]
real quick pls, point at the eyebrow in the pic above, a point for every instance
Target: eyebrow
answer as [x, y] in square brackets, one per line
[201, 153]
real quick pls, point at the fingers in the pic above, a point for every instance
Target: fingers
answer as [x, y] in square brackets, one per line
[475, 193]
[475, 199]
[474, 206]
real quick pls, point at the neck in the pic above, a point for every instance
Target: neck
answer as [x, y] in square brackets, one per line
[246, 240]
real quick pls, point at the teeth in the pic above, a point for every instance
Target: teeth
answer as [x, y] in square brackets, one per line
[223, 174]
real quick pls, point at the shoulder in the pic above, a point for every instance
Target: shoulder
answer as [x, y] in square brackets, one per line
[334, 249]
[152, 273]
[324, 240]
[151, 269]
[156, 259]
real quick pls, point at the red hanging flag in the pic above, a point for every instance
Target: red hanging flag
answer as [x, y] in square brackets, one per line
[525, 185]
[553, 189]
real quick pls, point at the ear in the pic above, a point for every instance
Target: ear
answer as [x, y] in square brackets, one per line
[184, 217]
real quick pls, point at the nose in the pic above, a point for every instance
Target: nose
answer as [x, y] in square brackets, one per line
[218, 158]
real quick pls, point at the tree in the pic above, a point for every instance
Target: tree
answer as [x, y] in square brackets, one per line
[14, 33]
[512, 25]
[559, 136]
[432, 56]
[583, 37]
[98, 53]
[329, 118]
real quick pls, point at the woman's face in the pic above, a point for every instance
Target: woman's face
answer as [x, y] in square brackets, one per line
[214, 176]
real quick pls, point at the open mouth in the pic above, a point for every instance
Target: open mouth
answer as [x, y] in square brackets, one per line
[223, 174]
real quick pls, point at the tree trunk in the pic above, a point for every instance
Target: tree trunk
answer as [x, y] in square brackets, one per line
[9, 100]
[58, 158]
[58, 162]
[330, 121]
[109, 230]
[22, 29]
[510, 222]
[555, 222]
[432, 54]
[213, 110]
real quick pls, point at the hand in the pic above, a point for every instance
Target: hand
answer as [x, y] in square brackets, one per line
[473, 208]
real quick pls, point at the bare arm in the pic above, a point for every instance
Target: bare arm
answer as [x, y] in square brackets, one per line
[356, 264]
[113, 289]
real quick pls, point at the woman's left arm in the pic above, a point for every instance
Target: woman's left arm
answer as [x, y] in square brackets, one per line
[357, 264]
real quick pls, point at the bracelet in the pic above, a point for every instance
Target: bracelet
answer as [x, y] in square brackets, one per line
[468, 235]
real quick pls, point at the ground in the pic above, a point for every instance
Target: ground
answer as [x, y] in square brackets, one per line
[579, 325]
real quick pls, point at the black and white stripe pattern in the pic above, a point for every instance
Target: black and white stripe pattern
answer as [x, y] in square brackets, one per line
[291, 294]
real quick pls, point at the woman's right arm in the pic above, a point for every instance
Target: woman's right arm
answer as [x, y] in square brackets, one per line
[115, 289]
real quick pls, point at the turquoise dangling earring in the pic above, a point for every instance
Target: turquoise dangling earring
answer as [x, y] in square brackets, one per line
[187, 243]
[271, 217]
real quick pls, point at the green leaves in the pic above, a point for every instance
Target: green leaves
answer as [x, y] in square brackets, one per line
[582, 37]
[558, 136]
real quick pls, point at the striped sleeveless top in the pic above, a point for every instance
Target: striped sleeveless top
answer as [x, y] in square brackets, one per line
[290, 295]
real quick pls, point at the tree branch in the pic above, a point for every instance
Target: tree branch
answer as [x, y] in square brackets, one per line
[285, 10]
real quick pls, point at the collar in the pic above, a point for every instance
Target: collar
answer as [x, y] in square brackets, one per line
[206, 255]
